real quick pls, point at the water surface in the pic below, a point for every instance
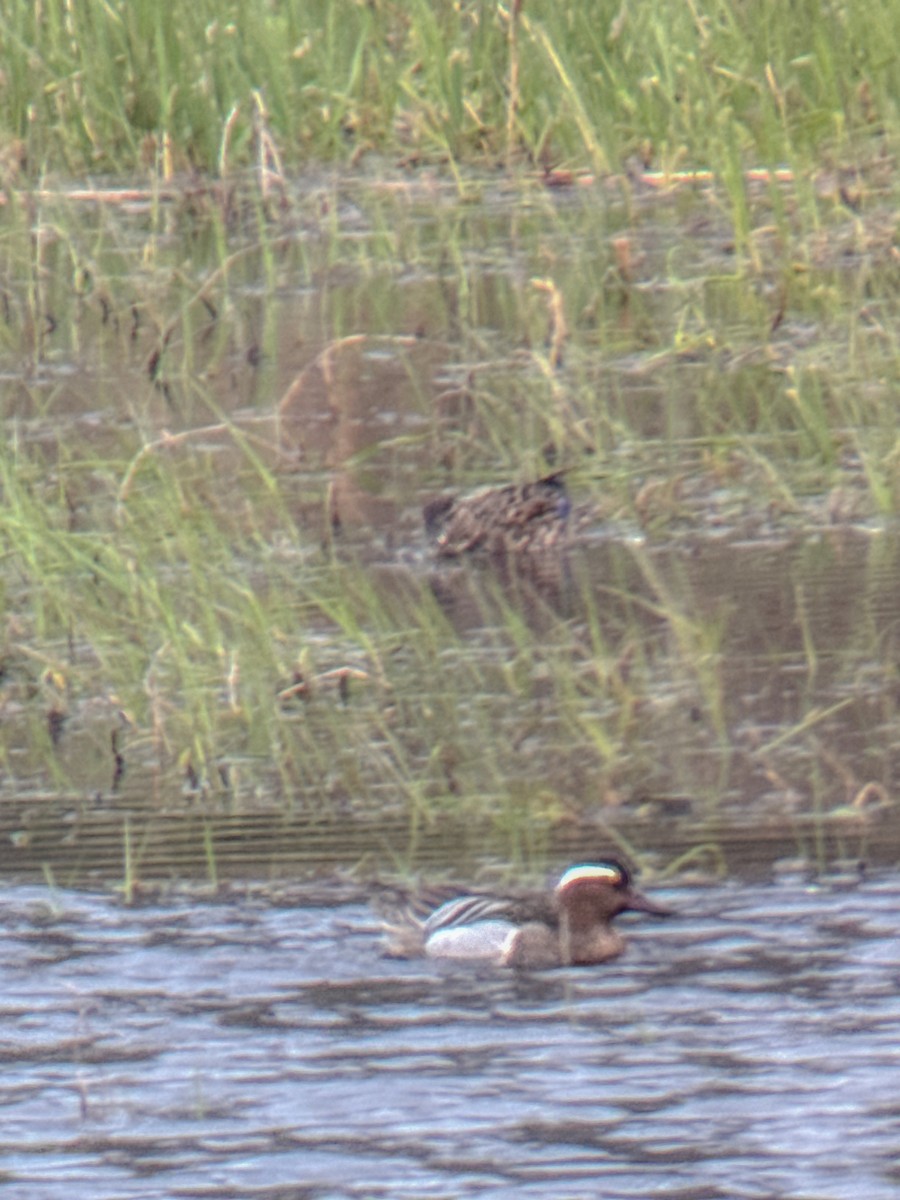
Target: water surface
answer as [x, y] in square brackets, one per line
[748, 1048]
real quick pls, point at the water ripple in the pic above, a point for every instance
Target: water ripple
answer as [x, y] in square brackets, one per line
[749, 1049]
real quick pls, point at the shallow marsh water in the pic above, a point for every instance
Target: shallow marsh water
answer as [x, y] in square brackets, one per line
[747, 1048]
[771, 753]
[231, 459]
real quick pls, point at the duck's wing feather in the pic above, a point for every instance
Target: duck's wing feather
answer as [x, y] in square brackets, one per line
[468, 910]
[481, 906]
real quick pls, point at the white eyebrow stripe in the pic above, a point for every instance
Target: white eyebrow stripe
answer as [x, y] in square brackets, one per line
[585, 871]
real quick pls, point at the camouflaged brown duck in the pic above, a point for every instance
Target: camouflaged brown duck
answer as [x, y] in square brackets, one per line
[501, 522]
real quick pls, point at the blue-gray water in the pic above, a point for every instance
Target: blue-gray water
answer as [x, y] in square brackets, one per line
[749, 1048]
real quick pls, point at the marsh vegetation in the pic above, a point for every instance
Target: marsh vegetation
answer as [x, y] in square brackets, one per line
[274, 281]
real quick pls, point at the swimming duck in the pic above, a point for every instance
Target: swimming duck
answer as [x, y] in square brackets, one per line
[570, 926]
[510, 520]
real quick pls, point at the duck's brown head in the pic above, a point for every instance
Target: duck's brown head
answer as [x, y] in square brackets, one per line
[591, 893]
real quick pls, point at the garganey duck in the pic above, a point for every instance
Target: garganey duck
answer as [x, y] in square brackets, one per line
[572, 926]
[502, 522]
